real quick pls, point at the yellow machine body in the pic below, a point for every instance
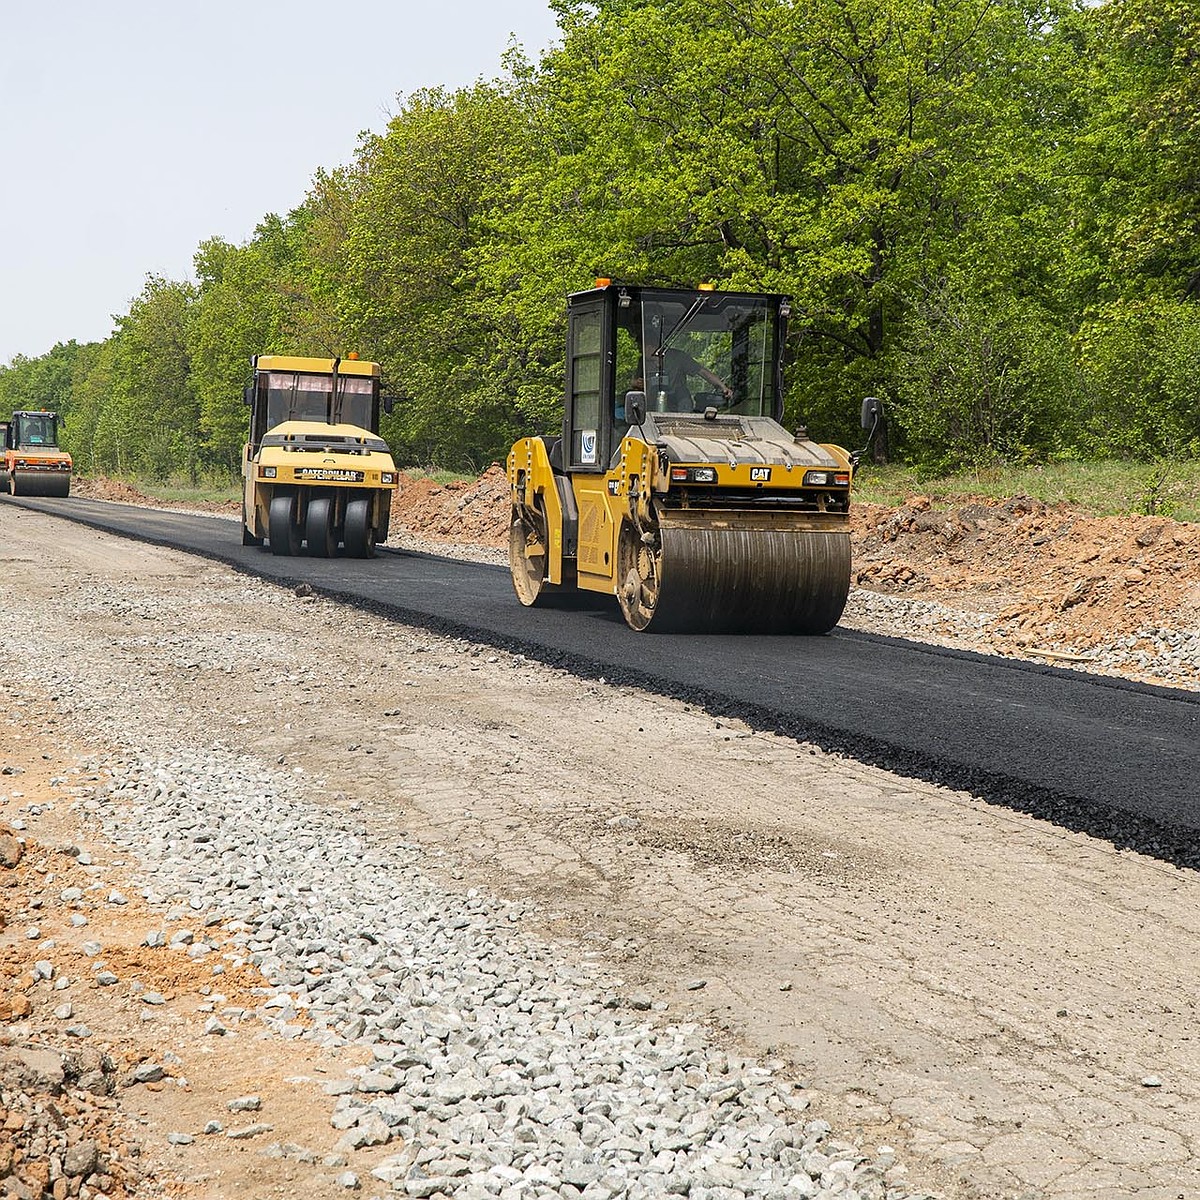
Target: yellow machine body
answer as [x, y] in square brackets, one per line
[694, 518]
[315, 471]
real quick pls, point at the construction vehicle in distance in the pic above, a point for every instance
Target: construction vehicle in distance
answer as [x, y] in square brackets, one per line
[34, 464]
[674, 486]
[315, 470]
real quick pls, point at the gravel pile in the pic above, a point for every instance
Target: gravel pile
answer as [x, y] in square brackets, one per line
[499, 1069]
[502, 1065]
[1151, 654]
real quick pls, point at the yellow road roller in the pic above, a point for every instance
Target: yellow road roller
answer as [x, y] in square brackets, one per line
[33, 463]
[315, 471]
[674, 486]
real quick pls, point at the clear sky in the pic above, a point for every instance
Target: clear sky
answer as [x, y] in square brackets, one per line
[131, 130]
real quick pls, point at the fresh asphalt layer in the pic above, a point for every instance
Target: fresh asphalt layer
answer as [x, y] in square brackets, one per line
[1106, 756]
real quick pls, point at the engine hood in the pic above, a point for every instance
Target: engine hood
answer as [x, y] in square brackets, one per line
[737, 441]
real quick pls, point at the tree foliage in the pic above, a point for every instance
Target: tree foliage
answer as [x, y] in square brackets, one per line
[985, 211]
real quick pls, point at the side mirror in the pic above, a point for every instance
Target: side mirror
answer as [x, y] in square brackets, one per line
[635, 407]
[389, 403]
[248, 396]
[871, 408]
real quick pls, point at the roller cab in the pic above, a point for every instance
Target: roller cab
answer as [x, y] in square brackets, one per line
[316, 474]
[34, 464]
[674, 487]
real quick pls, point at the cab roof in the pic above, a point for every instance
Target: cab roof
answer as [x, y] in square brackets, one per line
[316, 366]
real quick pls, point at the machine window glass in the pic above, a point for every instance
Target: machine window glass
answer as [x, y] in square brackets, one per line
[694, 350]
[629, 375]
[294, 396]
[36, 429]
[356, 400]
[586, 377]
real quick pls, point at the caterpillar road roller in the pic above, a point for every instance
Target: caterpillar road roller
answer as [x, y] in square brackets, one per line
[315, 471]
[674, 486]
[34, 464]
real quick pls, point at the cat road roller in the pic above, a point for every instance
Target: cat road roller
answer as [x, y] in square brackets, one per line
[315, 470]
[33, 464]
[674, 486]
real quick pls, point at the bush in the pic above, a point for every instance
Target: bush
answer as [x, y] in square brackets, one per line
[1140, 361]
[982, 379]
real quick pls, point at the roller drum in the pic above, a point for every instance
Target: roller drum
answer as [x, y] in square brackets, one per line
[41, 483]
[740, 573]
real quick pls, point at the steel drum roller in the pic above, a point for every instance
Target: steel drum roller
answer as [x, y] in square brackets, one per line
[41, 483]
[700, 571]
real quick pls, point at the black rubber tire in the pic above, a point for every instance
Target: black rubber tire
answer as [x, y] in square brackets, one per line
[318, 526]
[283, 527]
[360, 534]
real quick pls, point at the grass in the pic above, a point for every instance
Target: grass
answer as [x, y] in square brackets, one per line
[1102, 489]
[170, 491]
[441, 478]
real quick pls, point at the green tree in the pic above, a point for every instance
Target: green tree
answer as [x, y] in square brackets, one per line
[1140, 360]
[156, 413]
[1139, 152]
[982, 379]
[248, 303]
[416, 210]
[92, 391]
[839, 151]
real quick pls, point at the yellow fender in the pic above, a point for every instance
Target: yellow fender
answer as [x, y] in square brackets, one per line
[535, 495]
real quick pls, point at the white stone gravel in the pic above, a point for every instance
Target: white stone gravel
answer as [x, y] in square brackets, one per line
[1154, 654]
[501, 1066]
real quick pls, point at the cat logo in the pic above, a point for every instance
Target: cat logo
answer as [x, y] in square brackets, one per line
[760, 474]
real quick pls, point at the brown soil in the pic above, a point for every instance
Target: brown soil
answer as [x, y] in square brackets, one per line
[68, 1081]
[1045, 570]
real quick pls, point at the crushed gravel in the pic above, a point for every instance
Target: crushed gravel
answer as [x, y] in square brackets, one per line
[500, 1067]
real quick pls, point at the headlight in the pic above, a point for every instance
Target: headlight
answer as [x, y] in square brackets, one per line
[387, 477]
[693, 474]
[267, 472]
[826, 478]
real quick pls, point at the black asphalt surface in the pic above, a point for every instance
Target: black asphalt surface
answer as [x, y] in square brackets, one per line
[1117, 759]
